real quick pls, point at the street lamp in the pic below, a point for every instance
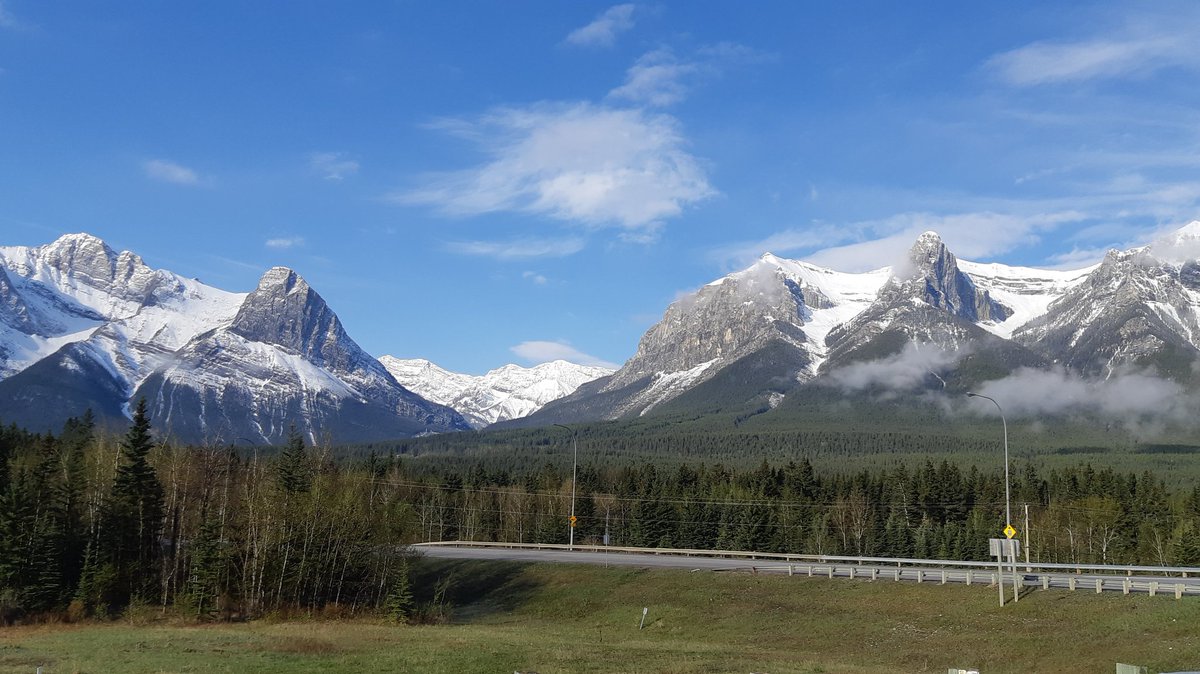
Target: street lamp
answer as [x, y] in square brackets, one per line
[1007, 499]
[574, 467]
[1012, 557]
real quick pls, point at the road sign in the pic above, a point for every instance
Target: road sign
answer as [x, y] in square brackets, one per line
[573, 522]
[1009, 531]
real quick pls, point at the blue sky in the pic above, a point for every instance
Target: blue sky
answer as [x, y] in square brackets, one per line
[484, 183]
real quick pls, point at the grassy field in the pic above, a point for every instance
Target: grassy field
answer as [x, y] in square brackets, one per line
[547, 619]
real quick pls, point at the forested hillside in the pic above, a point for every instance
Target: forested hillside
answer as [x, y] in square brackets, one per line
[91, 525]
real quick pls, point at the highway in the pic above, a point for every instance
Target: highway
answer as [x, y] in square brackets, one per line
[911, 571]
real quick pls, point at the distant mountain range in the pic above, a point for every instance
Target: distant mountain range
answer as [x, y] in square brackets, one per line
[751, 338]
[506, 393]
[85, 327]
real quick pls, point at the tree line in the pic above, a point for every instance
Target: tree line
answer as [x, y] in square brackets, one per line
[92, 525]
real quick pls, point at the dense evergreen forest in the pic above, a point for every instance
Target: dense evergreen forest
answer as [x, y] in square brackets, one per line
[91, 525]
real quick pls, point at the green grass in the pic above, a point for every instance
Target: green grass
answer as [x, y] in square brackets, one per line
[550, 618]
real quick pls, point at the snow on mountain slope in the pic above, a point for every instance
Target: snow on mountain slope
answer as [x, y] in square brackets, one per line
[838, 297]
[509, 392]
[78, 289]
[285, 359]
[1027, 291]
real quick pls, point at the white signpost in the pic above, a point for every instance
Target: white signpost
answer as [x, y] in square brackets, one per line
[1010, 548]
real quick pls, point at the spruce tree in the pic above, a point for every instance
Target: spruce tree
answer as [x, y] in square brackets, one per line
[399, 602]
[206, 568]
[136, 514]
[295, 476]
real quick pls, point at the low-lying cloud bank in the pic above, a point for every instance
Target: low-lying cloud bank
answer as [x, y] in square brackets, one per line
[915, 366]
[1030, 392]
[1126, 395]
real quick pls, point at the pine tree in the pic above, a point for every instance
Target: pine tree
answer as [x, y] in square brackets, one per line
[399, 602]
[295, 475]
[206, 570]
[136, 514]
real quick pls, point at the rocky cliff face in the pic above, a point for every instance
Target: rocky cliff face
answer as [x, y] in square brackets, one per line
[929, 301]
[1139, 308]
[285, 359]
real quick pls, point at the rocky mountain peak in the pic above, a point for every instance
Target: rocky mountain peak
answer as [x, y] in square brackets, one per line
[285, 311]
[929, 255]
[934, 277]
[86, 259]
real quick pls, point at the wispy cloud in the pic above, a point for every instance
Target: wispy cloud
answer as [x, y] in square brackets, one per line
[7, 20]
[535, 352]
[519, 248]
[1138, 45]
[661, 77]
[603, 31]
[535, 278]
[170, 172]
[656, 79]
[580, 163]
[285, 242]
[872, 244]
[333, 165]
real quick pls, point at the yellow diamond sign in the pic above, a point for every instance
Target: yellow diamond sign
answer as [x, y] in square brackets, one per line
[1009, 531]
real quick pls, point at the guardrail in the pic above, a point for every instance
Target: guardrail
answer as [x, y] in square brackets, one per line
[1032, 567]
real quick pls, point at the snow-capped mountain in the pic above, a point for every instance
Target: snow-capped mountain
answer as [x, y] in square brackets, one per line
[84, 327]
[755, 334]
[65, 292]
[928, 301]
[1139, 307]
[509, 392]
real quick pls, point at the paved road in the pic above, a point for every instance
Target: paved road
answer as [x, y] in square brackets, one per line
[923, 574]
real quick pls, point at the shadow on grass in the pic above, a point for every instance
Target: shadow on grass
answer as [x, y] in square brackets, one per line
[475, 589]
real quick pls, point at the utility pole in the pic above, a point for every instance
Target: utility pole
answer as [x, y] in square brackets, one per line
[1028, 569]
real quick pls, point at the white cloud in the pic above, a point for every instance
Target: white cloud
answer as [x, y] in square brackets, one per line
[1037, 392]
[1052, 63]
[656, 79]
[915, 365]
[285, 242]
[970, 235]
[170, 172]
[535, 278]
[536, 352]
[879, 243]
[581, 163]
[1139, 42]
[1076, 258]
[660, 78]
[332, 165]
[519, 248]
[603, 31]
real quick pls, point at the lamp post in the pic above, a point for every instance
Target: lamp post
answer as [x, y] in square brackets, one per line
[574, 467]
[1007, 504]
[1007, 499]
